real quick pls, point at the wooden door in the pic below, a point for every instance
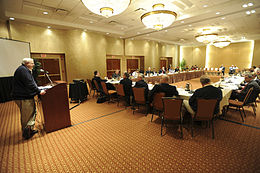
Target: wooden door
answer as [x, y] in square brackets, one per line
[53, 67]
[112, 66]
[132, 64]
[163, 63]
[53, 63]
[169, 61]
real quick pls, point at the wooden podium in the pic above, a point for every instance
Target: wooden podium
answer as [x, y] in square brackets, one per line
[55, 107]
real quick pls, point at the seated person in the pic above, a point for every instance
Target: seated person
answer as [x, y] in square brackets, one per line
[171, 70]
[154, 71]
[164, 87]
[149, 72]
[116, 75]
[142, 84]
[99, 80]
[206, 92]
[135, 73]
[177, 69]
[241, 94]
[127, 84]
[162, 71]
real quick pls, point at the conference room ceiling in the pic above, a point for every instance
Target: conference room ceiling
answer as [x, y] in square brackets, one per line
[228, 17]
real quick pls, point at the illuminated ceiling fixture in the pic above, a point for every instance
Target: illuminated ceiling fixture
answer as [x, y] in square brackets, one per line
[222, 42]
[206, 37]
[159, 18]
[106, 8]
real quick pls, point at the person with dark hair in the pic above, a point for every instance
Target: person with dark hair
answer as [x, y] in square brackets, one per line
[164, 87]
[177, 69]
[250, 83]
[127, 85]
[222, 70]
[206, 92]
[24, 90]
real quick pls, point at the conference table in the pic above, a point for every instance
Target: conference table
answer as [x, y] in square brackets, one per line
[226, 84]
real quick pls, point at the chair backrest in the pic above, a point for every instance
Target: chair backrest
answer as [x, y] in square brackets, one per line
[96, 85]
[104, 86]
[120, 89]
[139, 95]
[90, 84]
[247, 95]
[157, 101]
[205, 109]
[172, 108]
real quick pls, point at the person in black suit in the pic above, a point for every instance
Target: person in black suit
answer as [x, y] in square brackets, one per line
[177, 69]
[241, 94]
[149, 72]
[99, 80]
[206, 92]
[116, 75]
[164, 87]
[223, 70]
[127, 84]
[162, 71]
[142, 84]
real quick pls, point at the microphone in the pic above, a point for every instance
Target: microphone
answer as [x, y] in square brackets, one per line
[44, 71]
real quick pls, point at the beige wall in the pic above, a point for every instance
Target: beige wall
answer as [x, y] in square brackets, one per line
[193, 55]
[3, 29]
[256, 55]
[86, 51]
[239, 54]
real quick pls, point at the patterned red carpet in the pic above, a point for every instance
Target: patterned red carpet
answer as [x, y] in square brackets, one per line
[103, 141]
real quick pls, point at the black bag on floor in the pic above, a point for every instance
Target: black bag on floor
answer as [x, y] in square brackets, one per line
[101, 99]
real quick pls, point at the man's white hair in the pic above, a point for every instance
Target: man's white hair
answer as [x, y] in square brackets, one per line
[26, 60]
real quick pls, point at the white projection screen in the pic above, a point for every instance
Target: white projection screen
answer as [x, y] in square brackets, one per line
[12, 53]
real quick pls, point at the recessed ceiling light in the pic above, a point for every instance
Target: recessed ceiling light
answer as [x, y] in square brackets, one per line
[223, 18]
[248, 12]
[252, 11]
[205, 6]
[190, 25]
[45, 12]
[250, 4]
[182, 21]
[107, 33]
[217, 12]
[48, 27]
[91, 22]
[244, 5]
[11, 18]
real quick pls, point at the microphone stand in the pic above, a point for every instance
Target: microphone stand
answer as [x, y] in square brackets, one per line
[49, 78]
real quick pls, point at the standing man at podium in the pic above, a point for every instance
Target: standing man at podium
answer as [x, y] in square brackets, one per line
[24, 90]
